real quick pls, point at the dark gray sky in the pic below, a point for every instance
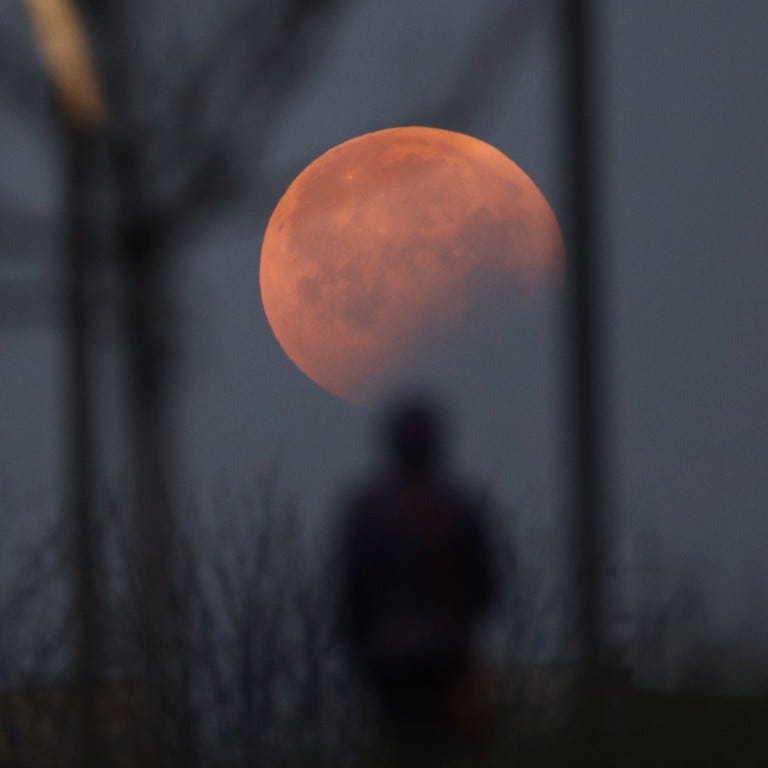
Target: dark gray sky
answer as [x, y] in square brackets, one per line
[684, 163]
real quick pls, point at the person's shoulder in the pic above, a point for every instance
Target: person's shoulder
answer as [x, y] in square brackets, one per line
[470, 507]
[464, 495]
[364, 498]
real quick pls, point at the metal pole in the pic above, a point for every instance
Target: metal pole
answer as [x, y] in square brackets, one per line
[584, 326]
[64, 46]
[86, 562]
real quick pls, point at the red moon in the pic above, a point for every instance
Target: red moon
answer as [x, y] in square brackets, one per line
[390, 237]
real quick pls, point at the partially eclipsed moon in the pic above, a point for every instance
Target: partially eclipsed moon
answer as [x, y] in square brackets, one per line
[393, 236]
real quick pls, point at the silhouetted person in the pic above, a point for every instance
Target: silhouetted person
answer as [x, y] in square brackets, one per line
[416, 580]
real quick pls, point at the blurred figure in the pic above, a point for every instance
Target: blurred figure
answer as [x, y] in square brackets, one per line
[417, 579]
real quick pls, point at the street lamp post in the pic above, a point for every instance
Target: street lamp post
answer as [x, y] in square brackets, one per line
[64, 48]
[584, 325]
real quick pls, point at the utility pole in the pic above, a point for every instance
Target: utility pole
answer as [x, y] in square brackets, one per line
[586, 450]
[64, 47]
[140, 238]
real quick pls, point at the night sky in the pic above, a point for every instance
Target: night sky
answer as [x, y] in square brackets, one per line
[683, 162]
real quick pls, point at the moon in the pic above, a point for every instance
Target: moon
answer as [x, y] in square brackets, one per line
[391, 238]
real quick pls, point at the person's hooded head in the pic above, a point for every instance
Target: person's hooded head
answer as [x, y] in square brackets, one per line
[414, 436]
